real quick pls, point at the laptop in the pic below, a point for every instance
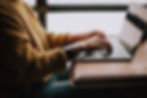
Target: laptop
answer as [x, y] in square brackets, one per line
[124, 45]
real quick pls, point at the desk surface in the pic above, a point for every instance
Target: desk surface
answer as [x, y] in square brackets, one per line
[98, 71]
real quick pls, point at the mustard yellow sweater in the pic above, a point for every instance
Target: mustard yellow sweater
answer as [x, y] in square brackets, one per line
[27, 52]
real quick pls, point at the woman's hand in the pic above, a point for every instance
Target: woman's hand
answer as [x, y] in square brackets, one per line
[98, 34]
[80, 37]
[90, 44]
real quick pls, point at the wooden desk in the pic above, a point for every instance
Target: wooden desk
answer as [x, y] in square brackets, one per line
[105, 74]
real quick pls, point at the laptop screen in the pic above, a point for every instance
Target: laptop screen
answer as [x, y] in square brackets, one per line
[134, 25]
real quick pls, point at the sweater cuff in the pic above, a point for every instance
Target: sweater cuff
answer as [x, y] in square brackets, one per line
[61, 59]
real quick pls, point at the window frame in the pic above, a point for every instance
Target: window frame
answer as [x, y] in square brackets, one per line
[43, 8]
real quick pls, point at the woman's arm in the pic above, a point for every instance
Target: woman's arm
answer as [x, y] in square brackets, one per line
[71, 38]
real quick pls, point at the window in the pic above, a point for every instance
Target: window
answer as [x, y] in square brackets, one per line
[76, 16]
[88, 2]
[75, 22]
[105, 15]
[31, 2]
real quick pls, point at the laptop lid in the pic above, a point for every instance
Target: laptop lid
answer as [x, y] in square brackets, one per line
[134, 26]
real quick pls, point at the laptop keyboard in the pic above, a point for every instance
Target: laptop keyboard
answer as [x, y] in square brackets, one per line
[118, 52]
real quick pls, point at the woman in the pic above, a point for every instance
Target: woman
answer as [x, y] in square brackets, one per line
[29, 54]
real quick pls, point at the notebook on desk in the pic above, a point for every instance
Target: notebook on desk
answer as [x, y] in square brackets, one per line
[123, 46]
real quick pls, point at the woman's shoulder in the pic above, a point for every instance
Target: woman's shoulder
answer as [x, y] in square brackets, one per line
[8, 2]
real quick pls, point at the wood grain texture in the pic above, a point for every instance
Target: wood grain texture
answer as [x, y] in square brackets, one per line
[98, 71]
